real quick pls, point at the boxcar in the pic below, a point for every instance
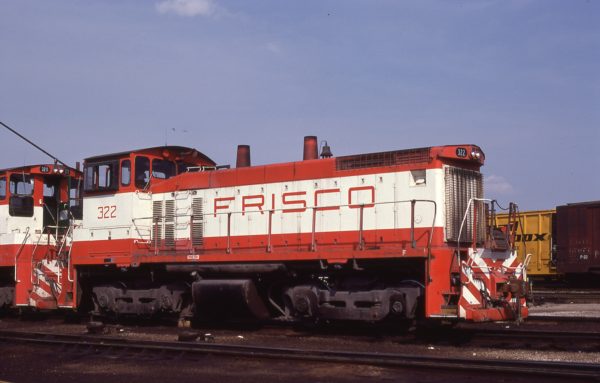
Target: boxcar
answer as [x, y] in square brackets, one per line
[578, 238]
[536, 235]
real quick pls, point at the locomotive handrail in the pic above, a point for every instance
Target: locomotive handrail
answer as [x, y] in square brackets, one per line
[137, 229]
[315, 209]
[20, 250]
[109, 227]
[139, 193]
[33, 256]
[273, 210]
[64, 239]
[465, 218]
[69, 278]
[38, 242]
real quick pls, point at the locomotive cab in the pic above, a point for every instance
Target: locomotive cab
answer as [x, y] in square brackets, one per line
[116, 188]
[118, 227]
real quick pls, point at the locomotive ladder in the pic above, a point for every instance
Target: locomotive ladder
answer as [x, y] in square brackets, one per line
[49, 287]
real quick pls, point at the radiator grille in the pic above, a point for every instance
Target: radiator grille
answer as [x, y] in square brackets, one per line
[157, 214]
[163, 224]
[197, 222]
[370, 160]
[157, 210]
[461, 186]
[169, 225]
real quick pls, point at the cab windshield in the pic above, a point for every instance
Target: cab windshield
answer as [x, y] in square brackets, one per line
[163, 169]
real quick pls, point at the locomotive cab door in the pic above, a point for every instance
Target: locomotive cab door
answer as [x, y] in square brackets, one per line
[51, 203]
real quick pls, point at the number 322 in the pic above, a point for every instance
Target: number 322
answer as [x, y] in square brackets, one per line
[105, 212]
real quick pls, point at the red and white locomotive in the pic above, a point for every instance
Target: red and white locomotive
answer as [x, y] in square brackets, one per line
[391, 235]
[36, 221]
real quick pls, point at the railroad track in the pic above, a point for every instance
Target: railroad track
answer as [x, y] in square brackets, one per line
[99, 344]
[520, 338]
[566, 296]
[571, 338]
[563, 319]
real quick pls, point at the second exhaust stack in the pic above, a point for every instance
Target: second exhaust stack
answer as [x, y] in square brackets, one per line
[243, 156]
[311, 148]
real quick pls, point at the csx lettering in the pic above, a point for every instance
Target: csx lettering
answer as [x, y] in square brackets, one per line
[297, 202]
[106, 212]
[531, 237]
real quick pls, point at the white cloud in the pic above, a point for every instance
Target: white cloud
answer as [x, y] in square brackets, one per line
[497, 185]
[187, 8]
[273, 47]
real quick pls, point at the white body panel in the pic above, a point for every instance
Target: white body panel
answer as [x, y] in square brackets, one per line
[129, 215]
[14, 230]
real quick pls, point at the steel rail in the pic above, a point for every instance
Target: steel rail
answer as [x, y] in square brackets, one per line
[558, 296]
[562, 318]
[545, 368]
[529, 335]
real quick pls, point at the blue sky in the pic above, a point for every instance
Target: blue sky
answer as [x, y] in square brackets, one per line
[519, 78]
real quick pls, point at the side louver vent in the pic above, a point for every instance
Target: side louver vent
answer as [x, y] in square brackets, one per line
[169, 224]
[157, 216]
[197, 222]
[163, 224]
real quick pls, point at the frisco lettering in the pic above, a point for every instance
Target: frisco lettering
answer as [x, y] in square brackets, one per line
[295, 202]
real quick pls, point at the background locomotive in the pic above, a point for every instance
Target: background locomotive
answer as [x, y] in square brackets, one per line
[403, 234]
[39, 205]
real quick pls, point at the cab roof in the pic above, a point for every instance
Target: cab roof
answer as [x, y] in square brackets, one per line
[37, 169]
[172, 152]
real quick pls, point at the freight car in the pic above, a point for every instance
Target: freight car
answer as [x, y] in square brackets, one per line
[38, 206]
[401, 235]
[535, 235]
[578, 239]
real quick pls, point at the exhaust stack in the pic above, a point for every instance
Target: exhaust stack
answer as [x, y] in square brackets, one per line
[243, 156]
[311, 148]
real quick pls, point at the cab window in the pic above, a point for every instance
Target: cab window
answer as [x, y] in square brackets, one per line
[49, 190]
[163, 169]
[2, 188]
[125, 173]
[21, 199]
[103, 176]
[142, 172]
[75, 200]
[21, 184]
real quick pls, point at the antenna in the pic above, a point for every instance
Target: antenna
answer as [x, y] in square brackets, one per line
[32, 144]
